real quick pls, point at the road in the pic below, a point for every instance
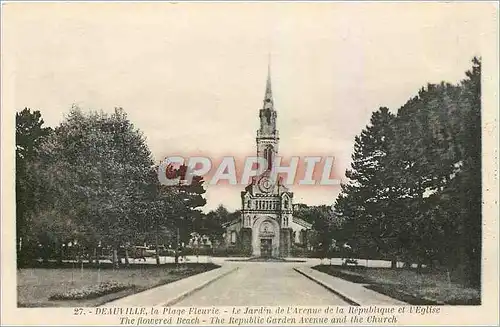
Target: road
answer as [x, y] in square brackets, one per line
[262, 283]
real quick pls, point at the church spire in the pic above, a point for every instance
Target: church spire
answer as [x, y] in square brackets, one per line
[268, 97]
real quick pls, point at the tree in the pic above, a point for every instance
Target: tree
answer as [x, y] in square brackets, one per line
[97, 167]
[366, 199]
[437, 160]
[30, 134]
[460, 199]
[325, 224]
[414, 190]
[212, 223]
[174, 209]
[191, 200]
[422, 160]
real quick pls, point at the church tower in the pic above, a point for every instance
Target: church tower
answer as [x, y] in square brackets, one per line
[266, 227]
[267, 135]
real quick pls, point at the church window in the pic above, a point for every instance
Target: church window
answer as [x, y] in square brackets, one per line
[286, 204]
[248, 204]
[303, 236]
[233, 237]
[268, 117]
[268, 155]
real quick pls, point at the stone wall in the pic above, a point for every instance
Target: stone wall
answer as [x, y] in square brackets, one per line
[285, 242]
[246, 241]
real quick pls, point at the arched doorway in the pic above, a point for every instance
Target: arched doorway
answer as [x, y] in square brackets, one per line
[265, 241]
[266, 235]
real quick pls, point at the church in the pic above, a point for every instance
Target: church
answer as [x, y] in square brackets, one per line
[266, 227]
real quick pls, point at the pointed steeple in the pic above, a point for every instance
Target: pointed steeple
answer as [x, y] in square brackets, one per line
[268, 97]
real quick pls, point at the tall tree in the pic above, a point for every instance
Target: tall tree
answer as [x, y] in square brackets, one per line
[98, 166]
[191, 199]
[418, 196]
[461, 199]
[366, 199]
[30, 134]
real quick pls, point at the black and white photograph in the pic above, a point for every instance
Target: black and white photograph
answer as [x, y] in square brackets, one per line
[249, 163]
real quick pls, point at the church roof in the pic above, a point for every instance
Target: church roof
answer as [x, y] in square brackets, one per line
[232, 222]
[268, 97]
[301, 222]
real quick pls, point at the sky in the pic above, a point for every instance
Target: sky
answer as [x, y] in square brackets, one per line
[192, 76]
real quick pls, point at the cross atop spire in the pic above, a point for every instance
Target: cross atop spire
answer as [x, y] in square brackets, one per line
[268, 97]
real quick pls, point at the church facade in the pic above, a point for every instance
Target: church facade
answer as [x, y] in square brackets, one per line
[266, 227]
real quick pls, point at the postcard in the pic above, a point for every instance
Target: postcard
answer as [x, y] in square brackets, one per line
[249, 163]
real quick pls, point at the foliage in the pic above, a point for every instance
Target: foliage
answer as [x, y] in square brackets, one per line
[30, 134]
[91, 291]
[96, 184]
[414, 188]
[325, 225]
[96, 167]
[212, 223]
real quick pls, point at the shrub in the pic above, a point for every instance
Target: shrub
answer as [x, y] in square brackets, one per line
[92, 292]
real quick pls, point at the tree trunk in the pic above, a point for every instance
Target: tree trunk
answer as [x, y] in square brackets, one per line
[60, 253]
[96, 256]
[419, 267]
[157, 249]
[80, 255]
[127, 262]
[45, 254]
[115, 258]
[394, 264]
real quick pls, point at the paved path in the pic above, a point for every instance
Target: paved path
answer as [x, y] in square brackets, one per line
[172, 292]
[356, 293]
[223, 260]
[262, 283]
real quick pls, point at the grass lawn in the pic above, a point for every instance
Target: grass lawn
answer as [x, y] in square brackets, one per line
[36, 285]
[428, 287]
